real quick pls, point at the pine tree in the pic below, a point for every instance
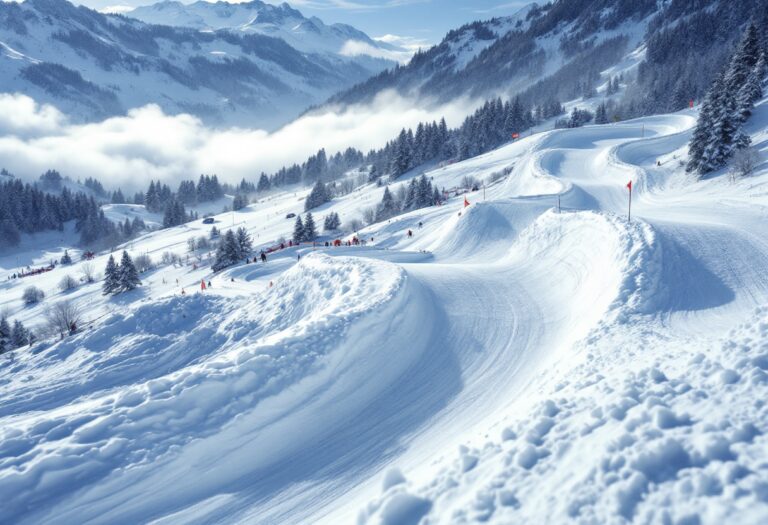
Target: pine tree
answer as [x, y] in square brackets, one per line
[751, 91]
[310, 230]
[298, 230]
[111, 277]
[317, 197]
[66, 259]
[424, 192]
[264, 183]
[387, 207]
[244, 243]
[409, 203]
[129, 276]
[724, 131]
[19, 335]
[5, 335]
[332, 222]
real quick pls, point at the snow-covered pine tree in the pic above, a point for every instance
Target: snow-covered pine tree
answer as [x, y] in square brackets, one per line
[111, 277]
[387, 207]
[263, 184]
[310, 229]
[317, 197]
[752, 90]
[298, 230]
[409, 203]
[743, 60]
[5, 335]
[129, 275]
[601, 114]
[724, 129]
[228, 252]
[436, 197]
[331, 222]
[66, 259]
[244, 242]
[402, 159]
[423, 192]
[19, 335]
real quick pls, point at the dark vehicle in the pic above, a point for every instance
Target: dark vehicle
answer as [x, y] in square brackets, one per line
[290, 216]
[208, 220]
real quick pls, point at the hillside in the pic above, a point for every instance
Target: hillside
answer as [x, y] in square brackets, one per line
[92, 66]
[668, 53]
[512, 361]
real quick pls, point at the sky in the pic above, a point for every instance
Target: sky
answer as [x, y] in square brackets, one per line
[410, 22]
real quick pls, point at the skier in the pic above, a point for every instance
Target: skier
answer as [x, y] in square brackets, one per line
[298, 256]
[420, 224]
[410, 234]
[263, 257]
[209, 284]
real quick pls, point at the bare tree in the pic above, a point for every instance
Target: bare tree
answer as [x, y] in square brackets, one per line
[63, 317]
[369, 215]
[354, 225]
[88, 271]
[745, 162]
[67, 283]
[32, 295]
[143, 263]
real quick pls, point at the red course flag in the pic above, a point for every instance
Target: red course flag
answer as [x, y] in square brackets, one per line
[515, 135]
[202, 285]
[629, 186]
[466, 202]
[690, 104]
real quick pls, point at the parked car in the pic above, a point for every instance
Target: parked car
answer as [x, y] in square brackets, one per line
[208, 220]
[290, 216]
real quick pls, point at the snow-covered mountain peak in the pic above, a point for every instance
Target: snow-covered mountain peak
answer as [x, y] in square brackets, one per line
[309, 35]
[92, 65]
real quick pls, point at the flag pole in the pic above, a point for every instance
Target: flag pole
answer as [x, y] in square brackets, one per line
[629, 213]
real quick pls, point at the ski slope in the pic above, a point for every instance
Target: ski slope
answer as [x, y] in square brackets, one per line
[511, 362]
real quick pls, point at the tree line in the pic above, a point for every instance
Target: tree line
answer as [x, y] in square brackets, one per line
[728, 104]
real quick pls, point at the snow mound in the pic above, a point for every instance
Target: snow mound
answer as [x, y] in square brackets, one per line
[224, 359]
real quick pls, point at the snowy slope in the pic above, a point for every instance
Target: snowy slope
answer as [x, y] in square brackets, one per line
[309, 35]
[91, 65]
[509, 363]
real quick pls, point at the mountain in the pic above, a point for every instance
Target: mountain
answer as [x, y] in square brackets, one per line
[667, 53]
[309, 35]
[91, 66]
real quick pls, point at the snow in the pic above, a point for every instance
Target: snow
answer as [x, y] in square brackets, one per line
[510, 363]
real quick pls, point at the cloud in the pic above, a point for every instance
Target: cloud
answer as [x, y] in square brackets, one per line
[410, 43]
[353, 48]
[145, 144]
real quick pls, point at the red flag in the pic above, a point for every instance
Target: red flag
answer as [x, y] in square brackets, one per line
[690, 103]
[466, 202]
[629, 186]
[515, 135]
[202, 284]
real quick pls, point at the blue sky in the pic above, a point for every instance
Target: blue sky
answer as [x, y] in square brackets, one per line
[426, 20]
